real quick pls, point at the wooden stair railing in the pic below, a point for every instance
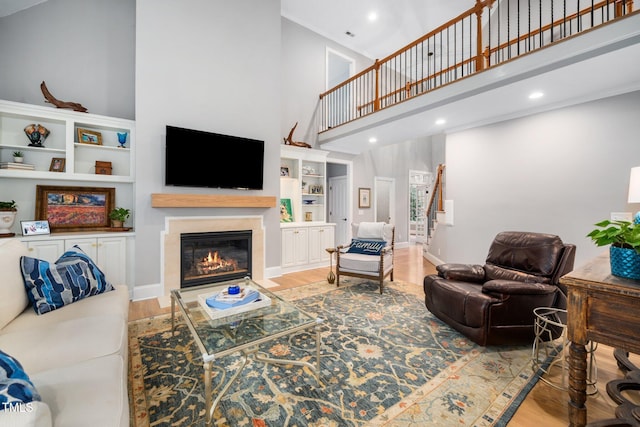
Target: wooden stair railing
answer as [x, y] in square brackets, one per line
[455, 50]
[436, 203]
[621, 8]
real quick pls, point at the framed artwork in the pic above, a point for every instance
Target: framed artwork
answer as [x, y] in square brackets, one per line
[286, 215]
[57, 164]
[364, 197]
[86, 136]
[284, 171]
[74, 208]
[30, 228]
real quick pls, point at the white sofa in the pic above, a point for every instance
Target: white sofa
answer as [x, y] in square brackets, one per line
[75, 356]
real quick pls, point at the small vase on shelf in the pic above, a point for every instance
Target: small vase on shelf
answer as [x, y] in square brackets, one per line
[122, 139]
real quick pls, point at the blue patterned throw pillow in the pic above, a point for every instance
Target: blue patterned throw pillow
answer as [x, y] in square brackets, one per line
[74, 276]
[15, 386]
[367, 247]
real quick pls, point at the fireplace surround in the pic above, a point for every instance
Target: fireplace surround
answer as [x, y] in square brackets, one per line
[175, 226]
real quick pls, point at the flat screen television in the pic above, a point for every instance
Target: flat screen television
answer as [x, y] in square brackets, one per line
[196, 158]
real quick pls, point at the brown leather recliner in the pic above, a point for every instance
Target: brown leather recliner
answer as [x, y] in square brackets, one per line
[493, 304]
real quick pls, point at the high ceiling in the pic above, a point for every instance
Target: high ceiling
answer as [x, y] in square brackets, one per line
[397, 22]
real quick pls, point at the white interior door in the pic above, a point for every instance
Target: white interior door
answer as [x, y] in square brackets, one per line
[384, 190]
[339, 208]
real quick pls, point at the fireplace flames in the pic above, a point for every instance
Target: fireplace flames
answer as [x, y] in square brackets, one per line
[214, 264]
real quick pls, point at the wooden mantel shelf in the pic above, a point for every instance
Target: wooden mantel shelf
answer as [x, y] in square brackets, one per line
[171, 200]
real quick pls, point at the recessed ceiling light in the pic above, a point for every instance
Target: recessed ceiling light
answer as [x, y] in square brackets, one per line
[372, 140]
[441, 121]
[373, 16]
[536, 95]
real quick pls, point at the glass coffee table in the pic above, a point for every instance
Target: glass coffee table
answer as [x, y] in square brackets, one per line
[219, 334]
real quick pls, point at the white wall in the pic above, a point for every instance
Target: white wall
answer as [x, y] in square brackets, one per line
[83, 50]
[212, 65]
[557, 172]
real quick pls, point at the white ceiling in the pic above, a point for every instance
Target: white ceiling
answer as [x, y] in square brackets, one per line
[398, 23]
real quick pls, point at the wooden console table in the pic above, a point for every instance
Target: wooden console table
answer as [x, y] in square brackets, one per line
[601, 308]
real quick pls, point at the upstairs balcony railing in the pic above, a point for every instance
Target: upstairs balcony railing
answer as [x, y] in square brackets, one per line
[484, 36]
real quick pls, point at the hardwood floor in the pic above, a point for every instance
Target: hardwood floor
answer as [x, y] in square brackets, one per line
[544, 406]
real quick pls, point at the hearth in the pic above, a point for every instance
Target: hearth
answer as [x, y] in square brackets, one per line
[211, 257]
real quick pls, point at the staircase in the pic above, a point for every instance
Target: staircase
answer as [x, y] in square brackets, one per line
[435, 210]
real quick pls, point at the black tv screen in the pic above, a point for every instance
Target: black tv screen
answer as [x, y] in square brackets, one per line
[197, 158]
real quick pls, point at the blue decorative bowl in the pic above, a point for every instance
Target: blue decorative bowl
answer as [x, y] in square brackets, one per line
[624, 262]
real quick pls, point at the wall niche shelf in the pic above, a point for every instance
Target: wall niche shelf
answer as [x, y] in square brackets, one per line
[62, 142]
[171, 200]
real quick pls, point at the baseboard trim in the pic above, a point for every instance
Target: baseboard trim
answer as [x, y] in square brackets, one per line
[270, 272]
[143, 292]
[432, 259]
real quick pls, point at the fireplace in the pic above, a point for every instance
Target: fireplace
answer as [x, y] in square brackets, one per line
[210, 257]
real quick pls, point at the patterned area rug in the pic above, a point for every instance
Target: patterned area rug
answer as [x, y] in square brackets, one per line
[386, 361]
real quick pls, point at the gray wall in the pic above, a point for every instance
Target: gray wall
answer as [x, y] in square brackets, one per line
[303, 76]
[212, 65]
[557, 172]
[83, 50]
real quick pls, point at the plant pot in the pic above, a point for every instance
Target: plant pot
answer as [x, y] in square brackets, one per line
[624, 262]
[116, 224]
[7, 218]
[18, 159]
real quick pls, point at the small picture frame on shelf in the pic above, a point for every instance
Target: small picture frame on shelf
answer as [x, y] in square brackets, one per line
[31, 228]
[286, 214]
[316, 189]
[364, 197]
[86, 136]
[284, 171]
[57, 164]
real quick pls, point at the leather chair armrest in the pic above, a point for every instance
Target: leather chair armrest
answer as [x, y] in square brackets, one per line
[461, 272]
[513, 287]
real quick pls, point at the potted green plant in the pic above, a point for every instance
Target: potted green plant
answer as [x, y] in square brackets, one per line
[624, 238]
[18, 156]
[8, 211]
[119, 216]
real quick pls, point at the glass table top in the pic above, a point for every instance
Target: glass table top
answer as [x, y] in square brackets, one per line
[219, 336]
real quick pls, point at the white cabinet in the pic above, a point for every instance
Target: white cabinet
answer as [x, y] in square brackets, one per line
[112, 253]
[109, 253]
[304, 244]
[48, 250]
[321, 238]
[295, 247]
[65, 141]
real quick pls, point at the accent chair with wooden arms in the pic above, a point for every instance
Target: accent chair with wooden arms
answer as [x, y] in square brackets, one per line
[370, 253]
[493, 304]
